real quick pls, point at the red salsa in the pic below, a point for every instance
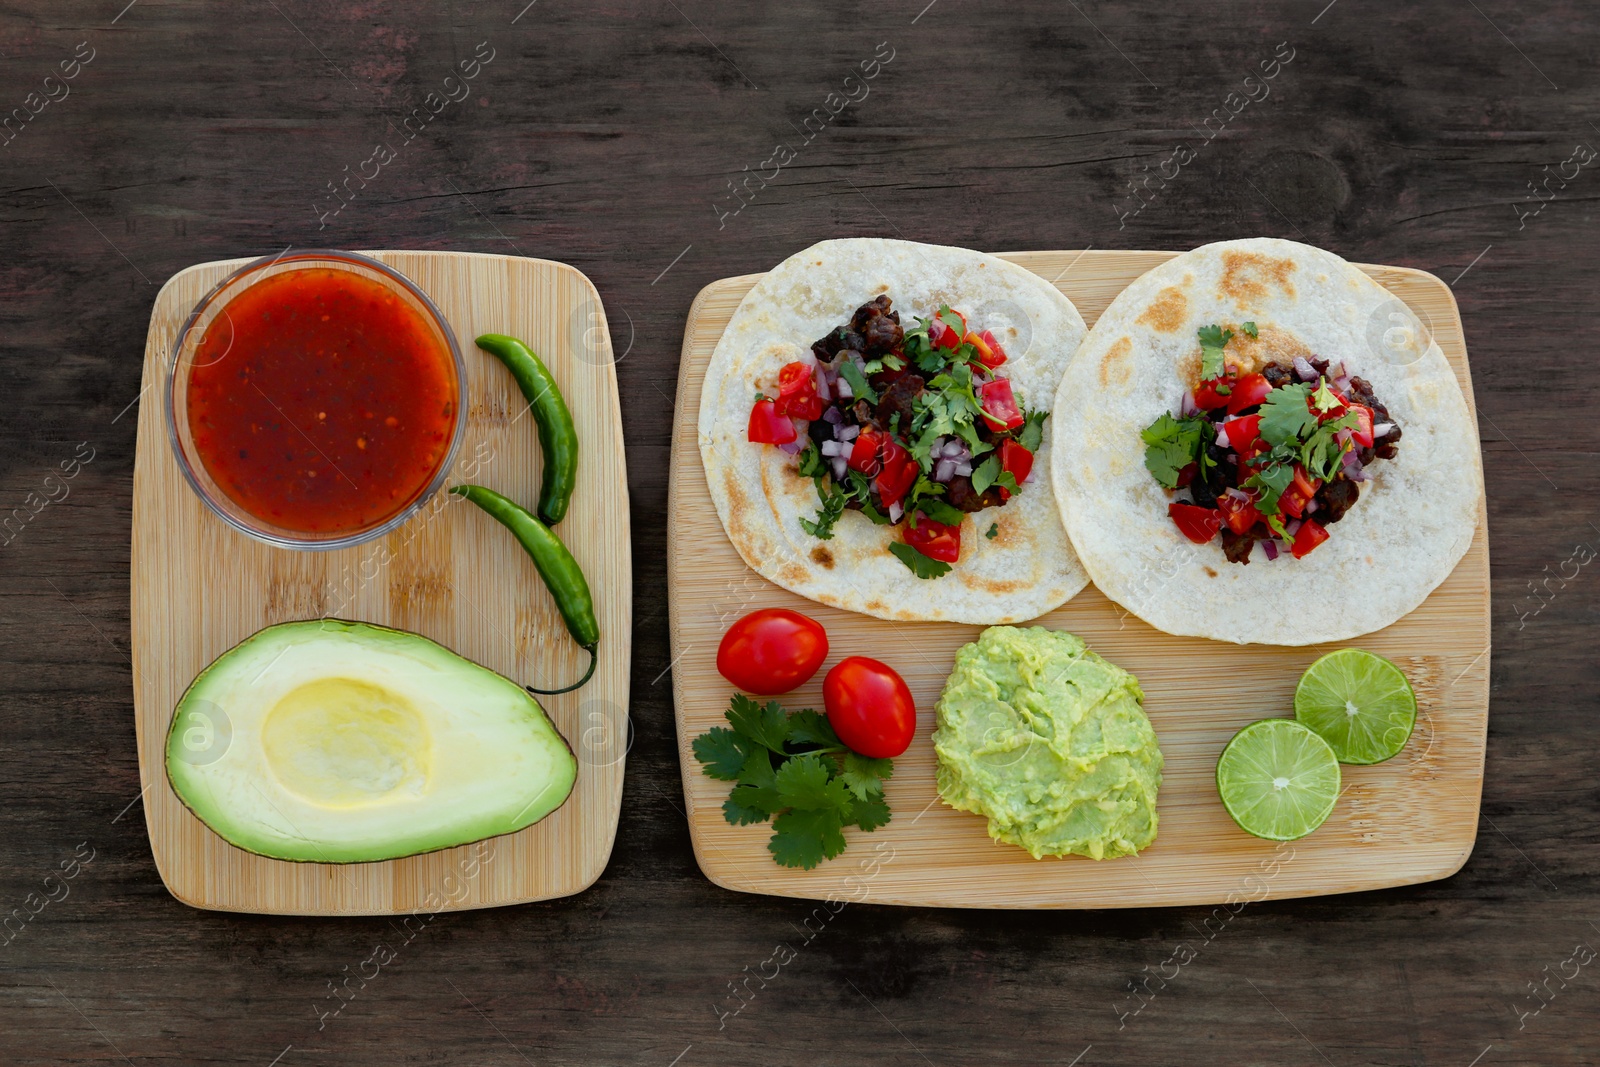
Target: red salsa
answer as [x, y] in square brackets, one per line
[322, 402]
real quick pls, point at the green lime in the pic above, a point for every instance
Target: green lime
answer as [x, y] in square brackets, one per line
[1278, 779]
[1361, 704]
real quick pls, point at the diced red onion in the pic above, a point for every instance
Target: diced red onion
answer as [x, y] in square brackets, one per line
[1032, 474]
[1187, 406]
[1311, 506]
[1270, 547]
[824, 390]
[1352, 468]
[808, 357]
[1343, 436]
[1336, 371]
[839, 467]
[1238, 494]
[794, 447]
[833, 415]
[845, 392]
[964, 470]
[833, 448]
[847, 433]
[1381, 430]
[1342, 383]
[944, 470]
[896, 512]
[1291, 527]
[1304, 369]
[1222, 437]
[935, 331]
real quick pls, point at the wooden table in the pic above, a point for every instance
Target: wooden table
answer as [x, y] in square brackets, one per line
[607, 138]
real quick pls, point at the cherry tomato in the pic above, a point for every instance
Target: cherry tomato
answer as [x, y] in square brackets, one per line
[767, 427]
[772, 651]
[1240, 515]
[864, 453]
[899, 473]
[1210, 393]
[1362, 434]
[869, 707]
[1243, 433]
[999, 405]
[797, 392]
[1309, 536]
[933, 539]
[1196, 523]
[1018, 461]
[1247, 392]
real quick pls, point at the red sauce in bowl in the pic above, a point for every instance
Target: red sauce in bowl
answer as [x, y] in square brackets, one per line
[322, 402]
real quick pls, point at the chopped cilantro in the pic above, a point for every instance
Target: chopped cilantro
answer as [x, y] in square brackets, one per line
[1322, 453]
[993, 531]
[952, 320]
[1172, 444]
[816, 788]
[938, 511]
[1250, 328]
[921, 566]
[1212, 341]
[1031, 433]
[1270, 481]
[833, 502]
[1324, 398]
[1285, 418]
[858, 382]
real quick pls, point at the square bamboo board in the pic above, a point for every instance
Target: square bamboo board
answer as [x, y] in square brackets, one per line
[1412, 819]
[450, 574]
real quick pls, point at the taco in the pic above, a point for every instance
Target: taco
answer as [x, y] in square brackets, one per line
[1267, 447]
[875, 432]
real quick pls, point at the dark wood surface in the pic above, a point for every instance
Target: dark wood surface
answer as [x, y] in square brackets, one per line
[605, 136]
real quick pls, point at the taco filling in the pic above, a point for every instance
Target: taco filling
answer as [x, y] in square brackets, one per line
[912, 428]
[1273, 457]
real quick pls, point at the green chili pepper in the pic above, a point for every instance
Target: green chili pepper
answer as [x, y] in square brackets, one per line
[561, 573]
[557, 437]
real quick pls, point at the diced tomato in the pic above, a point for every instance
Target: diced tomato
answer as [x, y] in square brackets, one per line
[933, 539]
[899, 473]
[1240, 515]
[1244, 433]
[797, 392]
[1214, 392]
[1362, 434]
[1196, 523]
[1000, 409]
[1246, 464]
[1247, 392]
[1309, 536]
[996, 355]
[767, 426]
[1299, 492]
[864, 454]
[1017, 460]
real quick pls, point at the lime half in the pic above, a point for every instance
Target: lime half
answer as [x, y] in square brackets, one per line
[1360, 703]
[1278, 779]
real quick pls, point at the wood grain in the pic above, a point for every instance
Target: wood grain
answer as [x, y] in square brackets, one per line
[449, 573]
[1409, 820]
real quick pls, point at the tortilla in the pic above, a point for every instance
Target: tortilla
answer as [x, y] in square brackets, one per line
[1412, 523]
[1026, 569]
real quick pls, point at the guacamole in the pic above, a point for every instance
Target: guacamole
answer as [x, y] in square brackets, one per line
[1049, 741]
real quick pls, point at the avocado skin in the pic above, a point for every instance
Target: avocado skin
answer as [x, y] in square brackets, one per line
[380, 637]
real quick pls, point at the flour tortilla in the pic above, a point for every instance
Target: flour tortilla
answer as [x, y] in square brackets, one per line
[1412, 523]
[1025, 570]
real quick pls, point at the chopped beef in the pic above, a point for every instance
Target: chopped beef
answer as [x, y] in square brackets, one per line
[878, 305]
[839, 340]
[900, 399]
[882, 334]
[1237, 546]
[1334, 499]
[1278, 374]
[959, 494]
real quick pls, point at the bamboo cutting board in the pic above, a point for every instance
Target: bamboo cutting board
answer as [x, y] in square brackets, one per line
[450, 573]
[1409, 820]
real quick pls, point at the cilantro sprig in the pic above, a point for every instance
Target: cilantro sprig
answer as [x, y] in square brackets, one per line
[793, 769]
[1172, 444]
[1213, 339]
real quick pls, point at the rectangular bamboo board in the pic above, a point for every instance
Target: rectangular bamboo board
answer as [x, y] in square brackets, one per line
[450, 573]
[1409, 820]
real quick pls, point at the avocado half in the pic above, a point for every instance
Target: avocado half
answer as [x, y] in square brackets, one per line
[328, 741]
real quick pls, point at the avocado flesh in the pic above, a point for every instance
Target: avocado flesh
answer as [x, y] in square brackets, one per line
[342, 742]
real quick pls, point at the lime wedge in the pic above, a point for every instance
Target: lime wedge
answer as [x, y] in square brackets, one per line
[1360, 703]
[1278, 779]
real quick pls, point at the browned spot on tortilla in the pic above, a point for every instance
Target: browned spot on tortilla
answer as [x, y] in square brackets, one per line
[992, 585]
[1113, 365]
[1171, 307]
[792, 572]
[1211, 572]
[821, 555]
[876, 605]
[793, 472]
[1247, 277]
[738, 509]
[1271, 345]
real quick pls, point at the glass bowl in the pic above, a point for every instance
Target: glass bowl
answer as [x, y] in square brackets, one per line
[210, 313]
